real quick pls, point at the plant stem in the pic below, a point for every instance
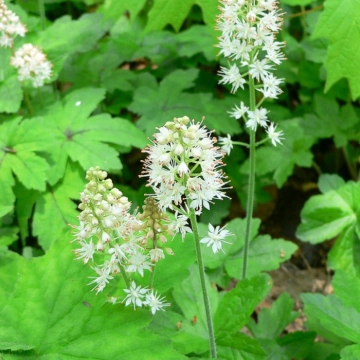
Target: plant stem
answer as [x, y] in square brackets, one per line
[152, 277]
[42, 14]
[251, 185]
[124, 274]
[27, 101]
[200, 261]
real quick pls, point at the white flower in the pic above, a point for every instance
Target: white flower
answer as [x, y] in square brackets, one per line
[10, 26]
[274, 136]
[226, 143]
[259, 69]
[216, 237]
[155, 302]
[135, 295]
[238, 112]
[183, 178]
[181, 225]
[102, 279]
[31, 64]
[257, 117]
[232, 76]
[156, 254]
[138, 262]
[86, 251]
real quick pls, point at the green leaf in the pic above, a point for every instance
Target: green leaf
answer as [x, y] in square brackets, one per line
[17, 156]
[265, 254]
[188, 330]
[297, 345]
[164, 12]
[325, 216]
[295, 150]
[55, 210]
[342, 282]
[331, 121]
[174, 13]
[189, 298]
[59, 43]
[113, 9]
[341, 255]
[329, 182]
[85, 139]
[47, 309]
[10, 87]
[197, 39]
[279, 316]
[342, 35]
[240, 347]
[8, 235]
[334, 314]
[350, 352]
[238, 304]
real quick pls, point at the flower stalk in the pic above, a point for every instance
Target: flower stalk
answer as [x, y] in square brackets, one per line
[205, 293]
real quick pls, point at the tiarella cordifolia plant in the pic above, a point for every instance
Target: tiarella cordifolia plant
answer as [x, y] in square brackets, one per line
[248, 41]
[117, 241]
[31, 64]
[10, 26]
[248, 29]
[184, 170]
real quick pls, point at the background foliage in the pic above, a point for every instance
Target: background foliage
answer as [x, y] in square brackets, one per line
[122, 68]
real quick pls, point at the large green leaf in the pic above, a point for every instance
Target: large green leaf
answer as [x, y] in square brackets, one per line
[168, 100]
[55, 210]
[281, 160]
[334, 314]
[85, 139]
[174, 13]
[343, 55]
[238, 304]
[19, 142]
[48, 312]
[325, 216]
[279, 316]
[188, 330]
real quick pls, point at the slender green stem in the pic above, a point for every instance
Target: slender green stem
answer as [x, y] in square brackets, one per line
[348, 163]
[42, 14]
[124, 274]
[251, 185]
[152, 277]
[200, 261]
[27, 101]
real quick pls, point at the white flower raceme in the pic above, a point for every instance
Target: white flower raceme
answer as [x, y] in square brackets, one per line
[31, 64]
[248, 41]
[10, 26]
[126, 243]
[191, 173]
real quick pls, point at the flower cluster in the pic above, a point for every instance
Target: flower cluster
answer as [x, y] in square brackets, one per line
[115, 240]
[183, 166]
[10, 26]
[31, 64]
[248, 40]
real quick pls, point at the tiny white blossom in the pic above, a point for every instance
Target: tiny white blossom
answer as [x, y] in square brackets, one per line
[155, 302]
[135, 295]
[238, 112]
[216, 237]
[226, 143]
[257, 117]
[275, 137]
[232, 76]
